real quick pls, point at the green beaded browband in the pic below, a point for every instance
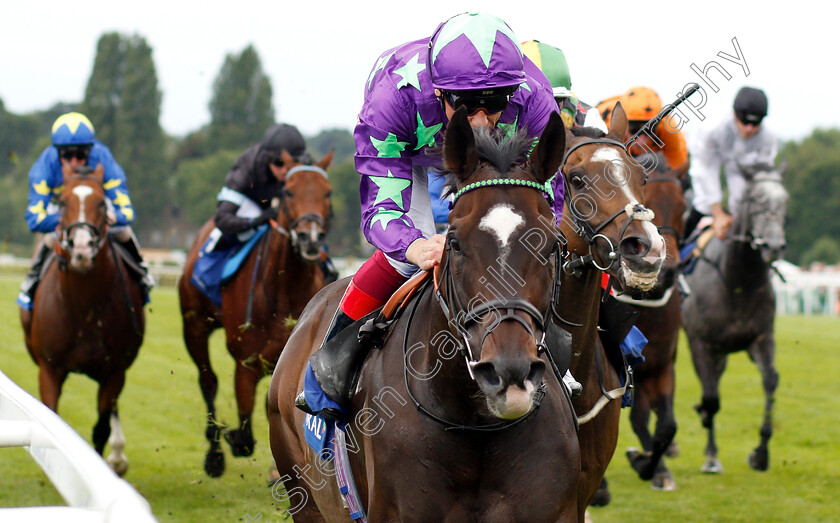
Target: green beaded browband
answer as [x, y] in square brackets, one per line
[502, 181]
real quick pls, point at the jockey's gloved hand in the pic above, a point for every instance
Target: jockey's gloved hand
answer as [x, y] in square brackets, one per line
[264, 217]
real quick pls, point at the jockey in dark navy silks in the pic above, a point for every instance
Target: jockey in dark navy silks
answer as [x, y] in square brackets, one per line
[472, 60]
[75, 145]
[249, 200]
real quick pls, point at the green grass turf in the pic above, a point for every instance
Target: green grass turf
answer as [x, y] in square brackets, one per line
[163, 419]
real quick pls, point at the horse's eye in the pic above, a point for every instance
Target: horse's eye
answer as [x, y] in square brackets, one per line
[287, 193]
[329, 194]
[455, 245]
[577, 182]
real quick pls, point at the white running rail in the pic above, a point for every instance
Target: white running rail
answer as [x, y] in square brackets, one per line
[91, 489]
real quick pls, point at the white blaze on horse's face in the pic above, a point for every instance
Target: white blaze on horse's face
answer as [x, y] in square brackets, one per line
[501, 221]
[82, 192]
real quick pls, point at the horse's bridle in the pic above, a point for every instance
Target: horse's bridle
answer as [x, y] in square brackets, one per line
[589, 233]
[746, 235]
[98, 233]
[312, 217]
[462, 318]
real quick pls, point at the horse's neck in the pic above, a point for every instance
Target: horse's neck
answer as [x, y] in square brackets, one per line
[282, 267]
[89, 288]
[742, 266]
[439, 379]
[579, 304]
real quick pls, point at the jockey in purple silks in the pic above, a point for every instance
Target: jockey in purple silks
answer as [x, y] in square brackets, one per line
[472, 60]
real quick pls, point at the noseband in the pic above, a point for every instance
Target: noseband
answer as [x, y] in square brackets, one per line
[589, 233]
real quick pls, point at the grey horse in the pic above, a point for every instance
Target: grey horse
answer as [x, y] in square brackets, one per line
[732, 304]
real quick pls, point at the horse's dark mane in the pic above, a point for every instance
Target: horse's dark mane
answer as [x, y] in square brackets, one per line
[588, 132]
[498, 149]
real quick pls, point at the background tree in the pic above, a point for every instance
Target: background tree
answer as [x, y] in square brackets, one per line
[824, 250]
[122, 101]
[241, 107]
[813, 181]
[198, 182]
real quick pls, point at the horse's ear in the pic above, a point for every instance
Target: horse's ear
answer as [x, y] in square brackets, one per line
[326, 160]
[287, 158]
[547, 156]
[66, 171]
[99, 173]
[618, 123]
[460, 156]
[782, 168]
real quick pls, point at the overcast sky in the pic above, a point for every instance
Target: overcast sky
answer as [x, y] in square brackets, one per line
[319, 53]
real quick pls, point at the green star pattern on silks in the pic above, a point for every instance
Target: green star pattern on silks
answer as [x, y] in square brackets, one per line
[385, 217]
[408, 72]
[380, 64]
[508, 128]
[389, 147]
[477, 33]
[390, 188]
[426, 135]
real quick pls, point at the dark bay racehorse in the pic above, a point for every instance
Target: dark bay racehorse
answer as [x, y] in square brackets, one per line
[87, 315]
[480, 434]
[659, 321]
[732, 305]
[608, 229]
[260, 303]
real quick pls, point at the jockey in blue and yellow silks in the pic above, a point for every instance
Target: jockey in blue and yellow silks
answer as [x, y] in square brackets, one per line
[74, 144]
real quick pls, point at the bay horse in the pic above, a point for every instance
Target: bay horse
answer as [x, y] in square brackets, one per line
[260, 303]
[659, 321]
[480, 434]
[732, 305]
[608, 230]
[87, 315]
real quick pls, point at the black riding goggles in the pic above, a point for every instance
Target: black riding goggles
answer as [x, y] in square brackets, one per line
[68, 152]
[749, 119]
[475, 100]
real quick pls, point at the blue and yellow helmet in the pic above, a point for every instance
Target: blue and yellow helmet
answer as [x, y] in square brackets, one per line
[72, 129]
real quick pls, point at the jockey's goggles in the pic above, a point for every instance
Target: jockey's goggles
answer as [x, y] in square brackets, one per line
[276, 161]
[748, 118]
[491, 100]
[68, 152]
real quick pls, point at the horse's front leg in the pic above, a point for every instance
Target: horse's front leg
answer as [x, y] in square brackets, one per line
[108, 429]
[247, 375]
[50, 381]
[709, 369]
[762, 353]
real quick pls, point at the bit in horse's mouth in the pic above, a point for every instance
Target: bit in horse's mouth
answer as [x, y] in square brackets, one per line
[639, 280]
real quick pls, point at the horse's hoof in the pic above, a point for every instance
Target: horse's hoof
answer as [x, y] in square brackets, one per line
[118, 463]
[240, 445]
[712, 466]
[663, 481]
[602, 497]
[759, 460]
[673, 450]
[640, 460]
[214, 463]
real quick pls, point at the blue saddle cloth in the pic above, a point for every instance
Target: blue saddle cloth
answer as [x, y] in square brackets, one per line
[216, 266]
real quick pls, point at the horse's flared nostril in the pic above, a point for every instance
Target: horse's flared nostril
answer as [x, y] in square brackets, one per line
[634, 247]
[486, 375]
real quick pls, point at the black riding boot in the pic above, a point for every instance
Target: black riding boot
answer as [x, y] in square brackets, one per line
[33, 278]
[333, 365]
[133, 248]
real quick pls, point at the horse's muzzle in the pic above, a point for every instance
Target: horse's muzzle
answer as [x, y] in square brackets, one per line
[509, 384]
